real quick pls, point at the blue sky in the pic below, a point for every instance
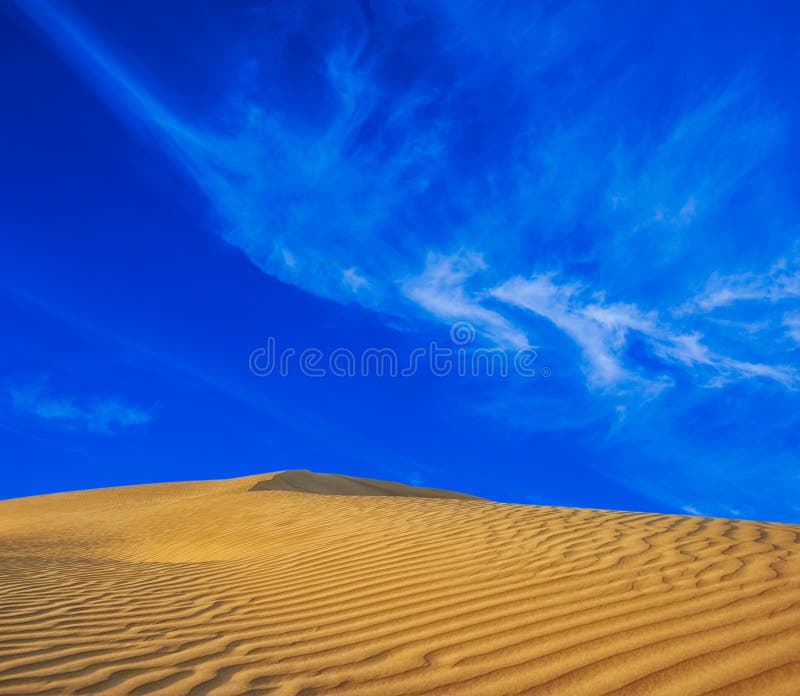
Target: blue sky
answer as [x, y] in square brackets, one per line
[612, 185]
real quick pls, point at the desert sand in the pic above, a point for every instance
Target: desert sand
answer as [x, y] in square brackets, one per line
[300, 583]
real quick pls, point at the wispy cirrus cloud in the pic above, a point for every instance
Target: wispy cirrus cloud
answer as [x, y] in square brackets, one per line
[791, 320]
[604, 332]
[368, 200]
[97, 414]
[765, 304]
[686, 175]
[442, 290]
[779, 283]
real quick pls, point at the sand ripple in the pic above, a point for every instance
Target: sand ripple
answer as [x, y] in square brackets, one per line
[213, 588]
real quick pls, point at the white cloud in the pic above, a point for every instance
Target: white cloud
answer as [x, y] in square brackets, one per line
[353, 280]
[599, 336]
[288, 258]
[791, 320]
[693, 170]
[441, 289]
[781, 282]
[603, 333]
[96, 414]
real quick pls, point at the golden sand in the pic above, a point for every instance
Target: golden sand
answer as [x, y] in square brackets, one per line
[212, 587]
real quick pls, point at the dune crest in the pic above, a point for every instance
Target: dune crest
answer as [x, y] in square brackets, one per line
[304, 481]
[251, 586]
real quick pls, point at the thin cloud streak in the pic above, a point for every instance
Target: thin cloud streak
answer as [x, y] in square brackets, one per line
[780, 283]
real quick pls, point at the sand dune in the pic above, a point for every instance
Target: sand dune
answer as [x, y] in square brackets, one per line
[243, 586]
